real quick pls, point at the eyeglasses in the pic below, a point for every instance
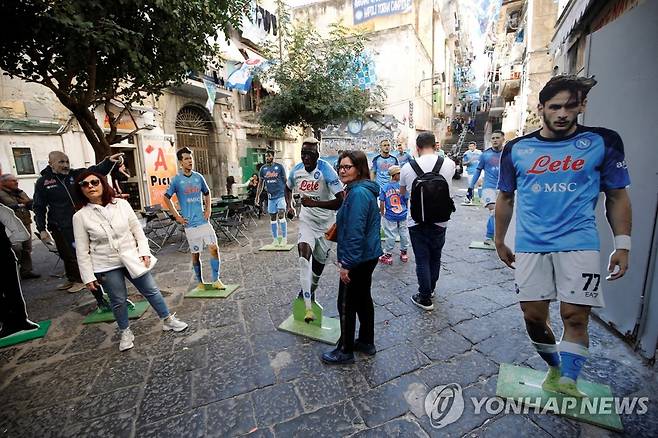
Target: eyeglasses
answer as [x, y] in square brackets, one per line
[92, 183]
[345, 167]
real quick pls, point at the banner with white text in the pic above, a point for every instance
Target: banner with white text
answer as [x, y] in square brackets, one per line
[365, 10]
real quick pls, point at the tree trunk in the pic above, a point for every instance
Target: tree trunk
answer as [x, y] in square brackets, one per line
[93, 132]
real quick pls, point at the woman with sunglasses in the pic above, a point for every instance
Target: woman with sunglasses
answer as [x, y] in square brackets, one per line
[358, 251]
[110, 247]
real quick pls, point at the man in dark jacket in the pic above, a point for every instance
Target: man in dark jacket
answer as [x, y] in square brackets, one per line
[54, 194]
[17, 200]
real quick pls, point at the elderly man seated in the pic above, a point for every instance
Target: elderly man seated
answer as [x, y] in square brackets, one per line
[16, 199]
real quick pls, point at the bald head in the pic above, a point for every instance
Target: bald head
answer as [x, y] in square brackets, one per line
[59, 162]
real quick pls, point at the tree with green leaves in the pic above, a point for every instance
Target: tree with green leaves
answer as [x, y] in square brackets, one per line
[112, 53]
[316, 76]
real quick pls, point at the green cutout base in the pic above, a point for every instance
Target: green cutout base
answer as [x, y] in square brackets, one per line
[134, 312]
[480, 245]
[272, 247]
[518, 383]
[323, 329]
[473, 204]
[209, 292]
[26, 335]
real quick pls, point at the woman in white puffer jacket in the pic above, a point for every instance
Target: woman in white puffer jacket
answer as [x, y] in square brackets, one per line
[110, 247]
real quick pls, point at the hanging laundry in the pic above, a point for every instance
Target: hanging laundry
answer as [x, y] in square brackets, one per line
[267, 21]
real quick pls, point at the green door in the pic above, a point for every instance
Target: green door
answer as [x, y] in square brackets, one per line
[250, 162]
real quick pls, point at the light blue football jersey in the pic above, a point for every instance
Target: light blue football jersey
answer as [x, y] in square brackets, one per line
[557, 182]
[380, 166]
[490, 163]
[190, 191]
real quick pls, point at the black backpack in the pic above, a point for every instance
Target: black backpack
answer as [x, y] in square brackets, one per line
[430, 195]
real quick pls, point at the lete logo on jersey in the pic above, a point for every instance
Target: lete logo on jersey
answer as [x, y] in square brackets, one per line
[545, 163]
[309, 186]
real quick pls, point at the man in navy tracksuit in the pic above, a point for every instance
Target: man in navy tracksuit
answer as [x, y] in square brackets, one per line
[54, 199]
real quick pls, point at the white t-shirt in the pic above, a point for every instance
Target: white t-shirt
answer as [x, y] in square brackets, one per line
[426, 162]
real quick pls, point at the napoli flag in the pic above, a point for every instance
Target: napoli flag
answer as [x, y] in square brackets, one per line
[241, 79]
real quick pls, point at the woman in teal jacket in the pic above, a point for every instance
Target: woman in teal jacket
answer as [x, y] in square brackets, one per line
[359, 248]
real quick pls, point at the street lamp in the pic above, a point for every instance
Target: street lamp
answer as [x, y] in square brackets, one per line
[436, 79]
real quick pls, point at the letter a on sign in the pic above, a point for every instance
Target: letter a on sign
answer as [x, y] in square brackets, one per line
[160, 160]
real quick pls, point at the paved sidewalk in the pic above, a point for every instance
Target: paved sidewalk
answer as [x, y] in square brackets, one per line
[232, 373]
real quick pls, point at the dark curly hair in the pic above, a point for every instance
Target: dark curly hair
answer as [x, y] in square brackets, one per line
[578, 85]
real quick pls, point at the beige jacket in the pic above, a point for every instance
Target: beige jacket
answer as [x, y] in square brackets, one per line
[102, 232]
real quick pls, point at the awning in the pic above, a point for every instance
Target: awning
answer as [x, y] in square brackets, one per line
[569, 19]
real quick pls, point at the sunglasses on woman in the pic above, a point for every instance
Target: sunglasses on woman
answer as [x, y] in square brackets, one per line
[92, 183]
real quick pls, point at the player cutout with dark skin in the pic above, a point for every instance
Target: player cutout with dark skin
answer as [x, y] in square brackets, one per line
[269, 159]
[560, 115]
[310, 157]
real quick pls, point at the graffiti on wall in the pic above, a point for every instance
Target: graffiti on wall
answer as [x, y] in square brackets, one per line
[363, 136]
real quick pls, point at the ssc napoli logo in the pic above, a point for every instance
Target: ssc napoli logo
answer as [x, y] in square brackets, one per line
[583, 143]
[536, 188]
[316, 175]
[196, 248]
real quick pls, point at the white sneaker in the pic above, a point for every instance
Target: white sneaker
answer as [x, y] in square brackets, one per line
[488, 242]
[127, 338]
[173, 323]
[75, 287]
[284, 241]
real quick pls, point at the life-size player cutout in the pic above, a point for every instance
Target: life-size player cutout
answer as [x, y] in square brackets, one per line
[193, 195]
[557, 174]
[273, 177]
[321, 193]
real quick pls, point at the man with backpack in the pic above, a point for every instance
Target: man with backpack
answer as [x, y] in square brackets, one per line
[429, 181]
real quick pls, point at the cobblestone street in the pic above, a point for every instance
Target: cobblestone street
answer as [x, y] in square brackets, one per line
[233, 373]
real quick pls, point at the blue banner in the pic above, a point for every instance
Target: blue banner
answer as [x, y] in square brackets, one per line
[365, 10]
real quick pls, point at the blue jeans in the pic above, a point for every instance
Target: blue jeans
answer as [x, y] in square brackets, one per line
[392, 229]
[114, 284]
[427, 241]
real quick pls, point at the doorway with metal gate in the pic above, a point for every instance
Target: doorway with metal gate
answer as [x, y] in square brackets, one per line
[193, 130]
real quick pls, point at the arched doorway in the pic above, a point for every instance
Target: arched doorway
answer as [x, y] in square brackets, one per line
[193, 130]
